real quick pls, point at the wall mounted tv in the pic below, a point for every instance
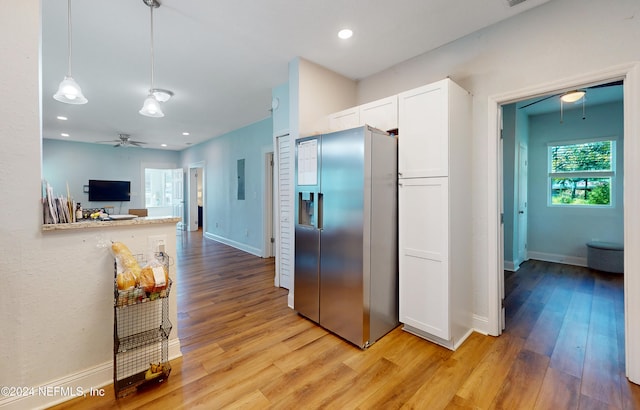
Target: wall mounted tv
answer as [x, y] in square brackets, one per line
[109, 190]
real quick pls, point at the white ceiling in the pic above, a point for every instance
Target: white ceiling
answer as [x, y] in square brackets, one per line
[222, 58]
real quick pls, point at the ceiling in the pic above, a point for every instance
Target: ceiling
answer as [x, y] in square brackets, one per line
[595, 95]
[222, 58]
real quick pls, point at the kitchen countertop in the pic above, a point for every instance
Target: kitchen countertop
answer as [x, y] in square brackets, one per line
[89, 224]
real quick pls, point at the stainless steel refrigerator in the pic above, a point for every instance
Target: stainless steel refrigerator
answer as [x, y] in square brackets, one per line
[346, 275]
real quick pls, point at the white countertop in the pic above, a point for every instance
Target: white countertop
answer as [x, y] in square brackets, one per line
[88, 224]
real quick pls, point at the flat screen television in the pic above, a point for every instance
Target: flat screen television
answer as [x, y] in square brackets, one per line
[109, 190]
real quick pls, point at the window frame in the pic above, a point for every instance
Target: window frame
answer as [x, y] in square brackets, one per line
[611, 174]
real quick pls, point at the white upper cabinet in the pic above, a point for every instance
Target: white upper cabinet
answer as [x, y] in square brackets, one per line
[381, 114]
[423, 149]
[345, 119]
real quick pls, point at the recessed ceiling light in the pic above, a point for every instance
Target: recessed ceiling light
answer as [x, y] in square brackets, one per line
[163, 145]
[61, 118]
[345, 33]
[64, 134]
[185, 133]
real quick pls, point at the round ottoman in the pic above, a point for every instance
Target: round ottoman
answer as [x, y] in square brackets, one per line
[605, 256]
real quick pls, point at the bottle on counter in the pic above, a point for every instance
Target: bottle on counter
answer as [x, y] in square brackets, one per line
[78, 211]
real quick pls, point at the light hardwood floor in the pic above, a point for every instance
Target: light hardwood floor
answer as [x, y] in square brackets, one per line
[244, 348]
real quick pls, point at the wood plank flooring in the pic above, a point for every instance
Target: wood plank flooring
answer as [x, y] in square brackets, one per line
[244, 348]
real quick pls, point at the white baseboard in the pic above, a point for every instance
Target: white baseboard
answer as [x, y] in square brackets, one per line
[234, 244]
[511, 266]
[552, 257]
[481, 324]
[69, 387]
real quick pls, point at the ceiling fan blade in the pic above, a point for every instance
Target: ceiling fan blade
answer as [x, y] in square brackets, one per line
[117, 145]
[136, 143]
[611, 84]
[540, 100]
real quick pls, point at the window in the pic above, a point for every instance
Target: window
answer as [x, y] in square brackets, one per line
[162, 187]
[582, 173]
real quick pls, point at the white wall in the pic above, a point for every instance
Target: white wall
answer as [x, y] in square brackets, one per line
[238, 223]
[527, 50]
[57, 287]
[562, 232]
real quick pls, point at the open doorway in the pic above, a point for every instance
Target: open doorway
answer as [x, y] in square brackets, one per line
[630, 74]
[195, 187]
[563, 175]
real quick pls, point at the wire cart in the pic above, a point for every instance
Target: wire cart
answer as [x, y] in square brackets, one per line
[141, 329]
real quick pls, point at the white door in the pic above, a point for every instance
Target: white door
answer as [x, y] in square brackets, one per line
[423, 123]
[196, 197]
[423, 254]
[285, 210]
[522, 202]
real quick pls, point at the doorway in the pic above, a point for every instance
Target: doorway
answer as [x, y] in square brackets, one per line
[196, 211]
[630, 73]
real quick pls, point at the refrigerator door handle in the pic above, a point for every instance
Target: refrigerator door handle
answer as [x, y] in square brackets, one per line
[320, 210]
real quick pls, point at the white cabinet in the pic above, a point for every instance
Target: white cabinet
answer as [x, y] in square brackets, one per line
[344, 120]
[424, 251]
[434, 151]
[381, 114]
[424, 120]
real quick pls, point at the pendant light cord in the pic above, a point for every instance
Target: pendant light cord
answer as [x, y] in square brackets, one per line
[69, 37]
[152, 54]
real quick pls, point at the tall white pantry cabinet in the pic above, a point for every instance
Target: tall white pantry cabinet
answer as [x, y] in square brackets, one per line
[434, 198]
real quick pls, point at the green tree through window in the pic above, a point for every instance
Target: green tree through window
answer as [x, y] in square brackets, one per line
[582, 173]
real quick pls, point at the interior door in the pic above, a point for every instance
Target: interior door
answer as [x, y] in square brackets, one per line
[284, 208]
[522, 202]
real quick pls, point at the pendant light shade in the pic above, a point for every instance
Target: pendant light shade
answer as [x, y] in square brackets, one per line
[69, 91]
[572, 96]
[151, 107]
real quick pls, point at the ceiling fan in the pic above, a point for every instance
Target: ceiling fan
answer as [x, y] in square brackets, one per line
[124, 141]
[581, 89]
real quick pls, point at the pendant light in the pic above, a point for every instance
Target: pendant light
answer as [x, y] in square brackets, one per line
[69, 91]
[151, 106]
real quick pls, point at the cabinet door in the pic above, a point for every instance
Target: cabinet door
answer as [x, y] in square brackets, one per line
[423, 131]
[381, 114]
[345, 119]
[423, 255]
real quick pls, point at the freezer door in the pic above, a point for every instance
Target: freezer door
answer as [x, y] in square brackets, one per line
[307, 236]
[341, 235]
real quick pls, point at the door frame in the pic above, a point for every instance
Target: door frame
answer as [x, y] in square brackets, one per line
[268, 209]
[192, 194]
[630, 73]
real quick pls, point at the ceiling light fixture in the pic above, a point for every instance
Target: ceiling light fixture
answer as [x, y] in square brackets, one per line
[573, 96]
[64, 134]
[62, 118]
[345, 33]
[69, 91]
[151, 106]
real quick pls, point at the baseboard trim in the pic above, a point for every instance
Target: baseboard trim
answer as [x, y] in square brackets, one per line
[74, 385]
[556, 258]
[511, 266]
[242, 246]
[480, 324]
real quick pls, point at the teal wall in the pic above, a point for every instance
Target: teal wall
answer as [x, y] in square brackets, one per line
[565, 230]
[75, 163]
[281, 113]
[236, 222]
